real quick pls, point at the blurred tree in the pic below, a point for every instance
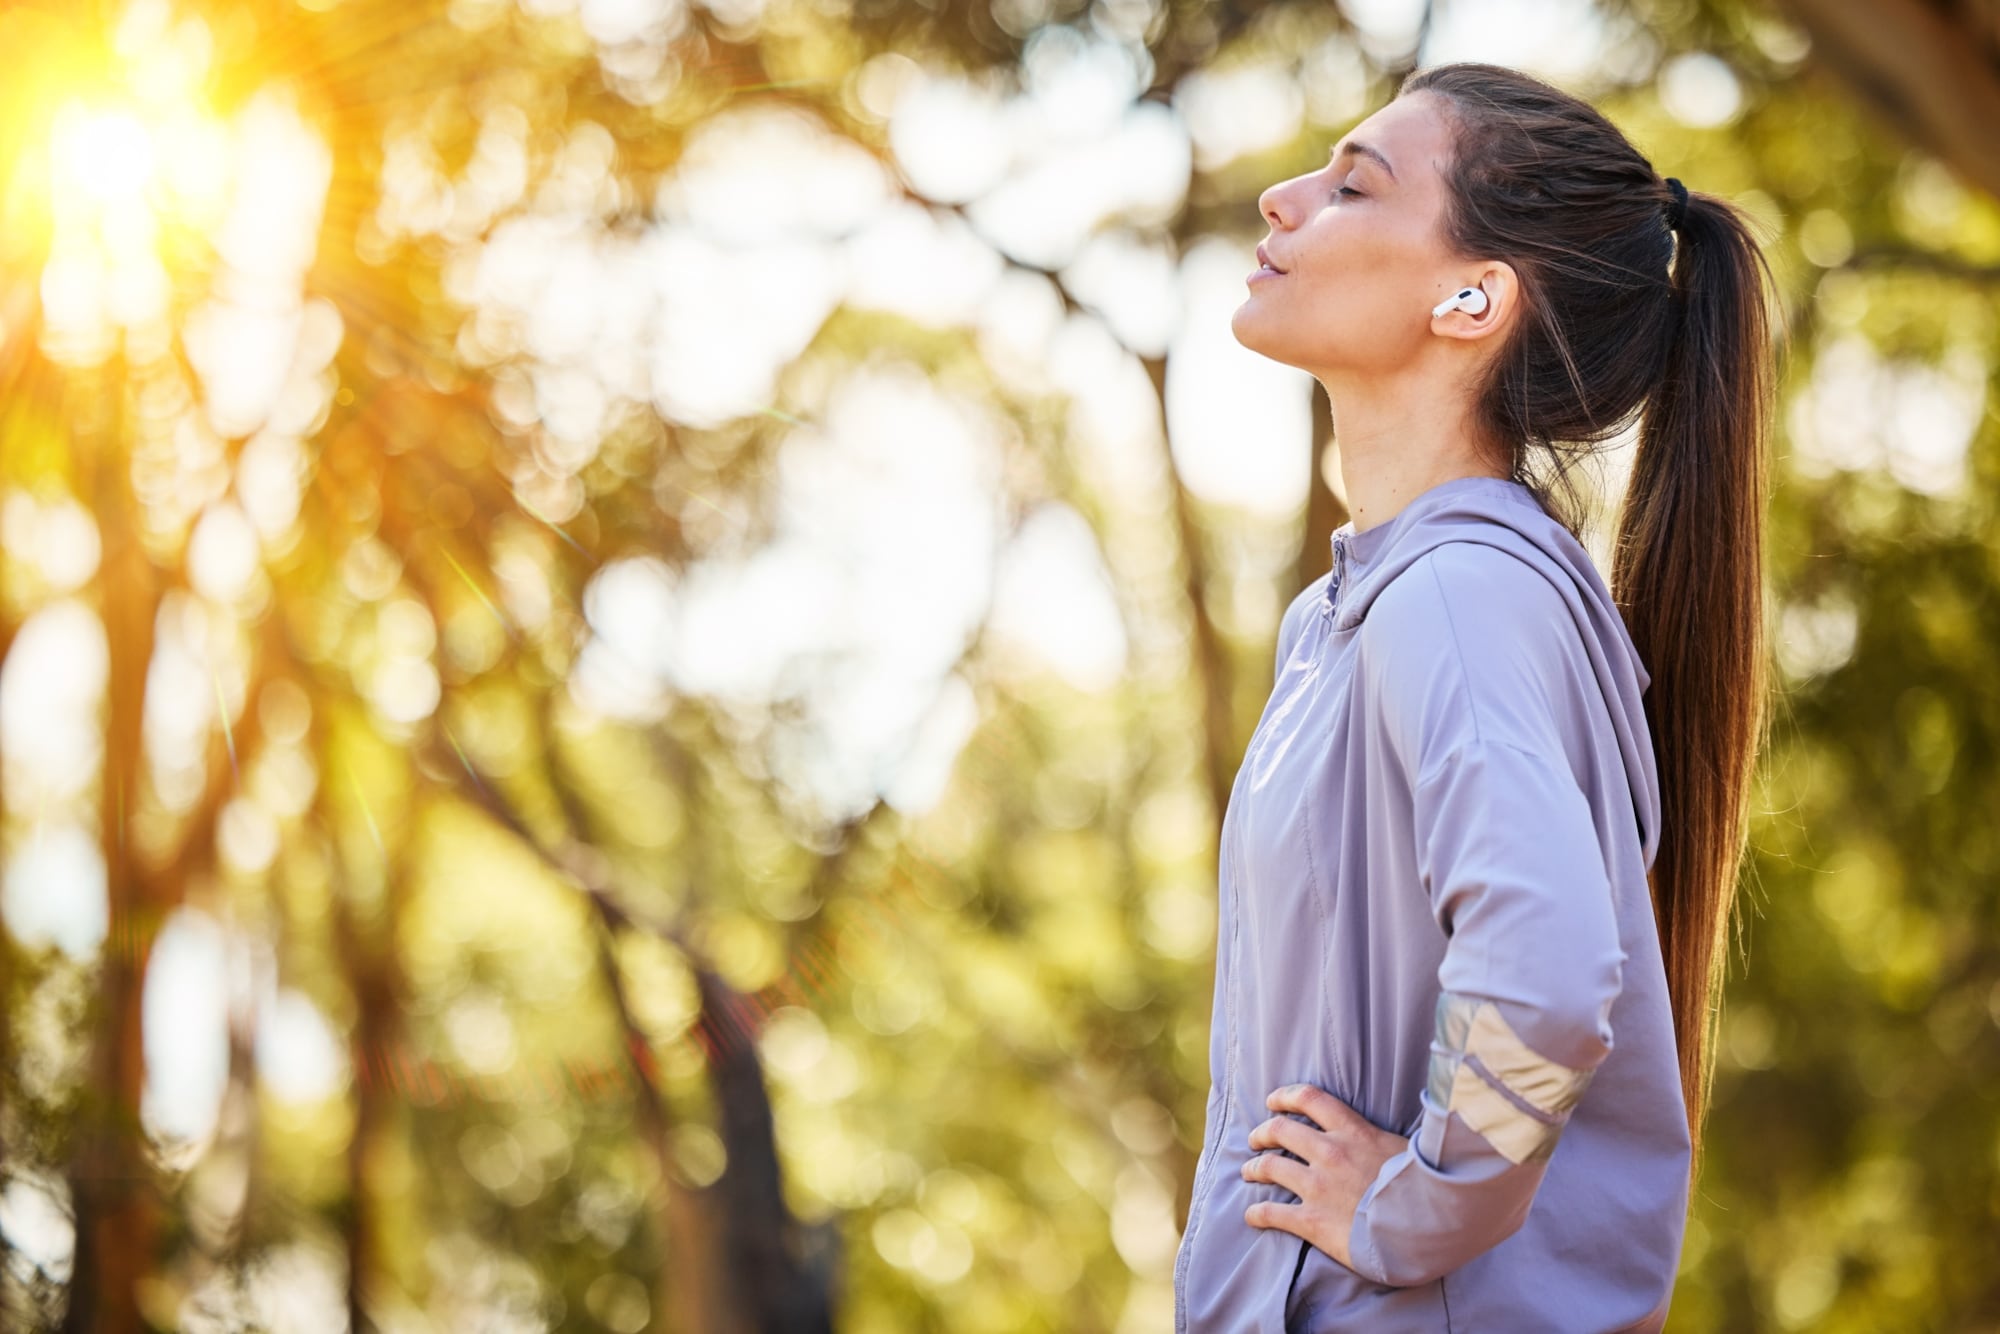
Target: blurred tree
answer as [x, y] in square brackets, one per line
[1930, 71]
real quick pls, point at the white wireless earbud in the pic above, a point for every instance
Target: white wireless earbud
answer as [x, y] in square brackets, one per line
[1469, 299]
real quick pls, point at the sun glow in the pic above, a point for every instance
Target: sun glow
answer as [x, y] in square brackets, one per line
[108, 156]
[114, 175]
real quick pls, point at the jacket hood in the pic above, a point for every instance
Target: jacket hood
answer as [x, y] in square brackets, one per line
[1502, 513]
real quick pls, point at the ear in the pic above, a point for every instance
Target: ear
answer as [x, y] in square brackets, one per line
[1497, 279]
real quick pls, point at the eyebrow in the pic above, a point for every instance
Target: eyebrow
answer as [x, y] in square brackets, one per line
[1365, 150]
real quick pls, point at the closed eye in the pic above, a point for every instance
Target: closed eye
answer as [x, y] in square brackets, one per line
[1349, 190]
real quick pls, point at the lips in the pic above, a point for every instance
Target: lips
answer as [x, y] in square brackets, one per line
[1265, 260]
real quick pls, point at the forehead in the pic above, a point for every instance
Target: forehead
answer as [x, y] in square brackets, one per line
[1409, 131]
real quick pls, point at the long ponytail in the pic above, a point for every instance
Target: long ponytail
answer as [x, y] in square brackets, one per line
[1687, 574]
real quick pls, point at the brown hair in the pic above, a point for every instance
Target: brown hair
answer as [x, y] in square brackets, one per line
[1624, 314]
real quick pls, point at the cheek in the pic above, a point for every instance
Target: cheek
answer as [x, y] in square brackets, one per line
[1354, 298]
[1365, 286]
[1350, 300]
[1356, 254]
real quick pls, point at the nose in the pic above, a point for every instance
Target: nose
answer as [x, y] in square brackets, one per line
[1282, 203]
[1269, 203]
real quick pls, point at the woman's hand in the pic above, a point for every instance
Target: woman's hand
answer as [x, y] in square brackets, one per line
[1341, 1157]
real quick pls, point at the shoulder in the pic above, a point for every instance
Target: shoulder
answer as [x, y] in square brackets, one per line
[1469, 643]
[1467, 597]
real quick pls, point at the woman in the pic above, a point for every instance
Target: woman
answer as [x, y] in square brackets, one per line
[1475, 873]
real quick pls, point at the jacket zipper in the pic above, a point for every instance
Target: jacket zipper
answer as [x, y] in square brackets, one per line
[1204, 1161]
[1331, 603]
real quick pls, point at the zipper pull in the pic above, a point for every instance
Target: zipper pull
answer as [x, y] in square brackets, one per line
[1339, 572]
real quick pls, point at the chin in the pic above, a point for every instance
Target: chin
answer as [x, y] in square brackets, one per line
[1245, 324]
[1253, 331]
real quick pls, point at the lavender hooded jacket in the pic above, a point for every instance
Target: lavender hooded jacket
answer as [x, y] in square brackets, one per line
[1433, 904]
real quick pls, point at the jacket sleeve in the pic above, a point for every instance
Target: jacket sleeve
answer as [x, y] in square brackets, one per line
[1508, 853]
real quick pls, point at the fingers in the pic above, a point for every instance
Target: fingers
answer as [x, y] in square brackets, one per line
[1279, 1171]
[1285, 1217]
[1282, 1132]
[1327, 1111]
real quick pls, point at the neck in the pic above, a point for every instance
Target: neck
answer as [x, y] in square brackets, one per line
[1398, 441]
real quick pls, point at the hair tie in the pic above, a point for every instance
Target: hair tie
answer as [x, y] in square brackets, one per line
[1677, 207]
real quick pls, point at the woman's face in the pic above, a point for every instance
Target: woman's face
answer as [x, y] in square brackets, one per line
[1359, 248]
